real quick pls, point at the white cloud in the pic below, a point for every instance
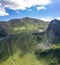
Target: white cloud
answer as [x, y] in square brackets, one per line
[58, 18]
[23, 4]
[2, 11]
[41, 7]
[0, 4]
[46, 18]
[49, 18]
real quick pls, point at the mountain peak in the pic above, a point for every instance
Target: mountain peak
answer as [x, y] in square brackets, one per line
[55, 20]
[27, 18]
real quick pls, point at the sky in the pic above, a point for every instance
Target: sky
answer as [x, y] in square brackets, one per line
[41, 9]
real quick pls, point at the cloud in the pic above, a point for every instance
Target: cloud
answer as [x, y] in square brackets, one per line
[0, 4]
[41, 7]
[21, 5]
[58, 18]
[2, 11]
[46, 18]
[49, 18]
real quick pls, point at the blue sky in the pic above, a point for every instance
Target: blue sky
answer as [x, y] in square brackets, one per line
[41, 9]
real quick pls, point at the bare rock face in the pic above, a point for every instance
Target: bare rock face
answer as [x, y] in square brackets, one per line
[53, 32]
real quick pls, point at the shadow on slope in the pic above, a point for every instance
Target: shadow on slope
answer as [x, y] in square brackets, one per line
[51, 56]
[22, 43]
[4, 51]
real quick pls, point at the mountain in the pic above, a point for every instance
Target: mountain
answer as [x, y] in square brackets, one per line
[51, 36]
[53, 32]
[27, 41]
[49, 48]
[25, 24]
[19, 42]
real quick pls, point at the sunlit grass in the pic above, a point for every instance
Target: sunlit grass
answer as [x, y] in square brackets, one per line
[19, 28]
[55, 46]
[28, 59]
[28, 28]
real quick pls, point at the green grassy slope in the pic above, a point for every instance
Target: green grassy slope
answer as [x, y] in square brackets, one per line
[23, 25]
[19, 50]
[22, 47]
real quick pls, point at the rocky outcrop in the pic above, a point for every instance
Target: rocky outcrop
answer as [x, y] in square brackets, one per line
[53, 32]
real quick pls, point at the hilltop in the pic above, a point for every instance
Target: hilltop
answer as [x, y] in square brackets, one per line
[25, 24]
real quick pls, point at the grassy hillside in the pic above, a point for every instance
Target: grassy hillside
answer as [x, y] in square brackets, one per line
[19, 50]
[24, 25]
[25, 43]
